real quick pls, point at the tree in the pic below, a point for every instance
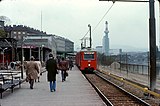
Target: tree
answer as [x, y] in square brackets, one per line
[2, 33]
[5, 19]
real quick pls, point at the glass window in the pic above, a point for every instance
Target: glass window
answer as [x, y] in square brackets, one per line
[19, 32]
[15, 37]
[88, 56]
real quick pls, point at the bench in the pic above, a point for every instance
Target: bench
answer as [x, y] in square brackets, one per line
[8, 82]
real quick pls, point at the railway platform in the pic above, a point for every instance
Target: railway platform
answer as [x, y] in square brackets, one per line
[139, 78]
[75, 91]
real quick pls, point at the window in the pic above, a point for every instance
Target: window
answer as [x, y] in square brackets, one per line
[19, 32]
[23, 33]
[15, 37]
[88, 56]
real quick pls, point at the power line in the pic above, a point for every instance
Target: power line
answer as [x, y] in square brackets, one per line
[85, 35]
[103, 16]
[100, 20]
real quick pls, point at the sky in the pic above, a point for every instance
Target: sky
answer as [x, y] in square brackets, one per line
[128, 22]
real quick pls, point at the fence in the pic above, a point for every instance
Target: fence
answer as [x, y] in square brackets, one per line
[134, 68]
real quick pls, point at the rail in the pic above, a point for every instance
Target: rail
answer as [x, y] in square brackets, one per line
[122, 97]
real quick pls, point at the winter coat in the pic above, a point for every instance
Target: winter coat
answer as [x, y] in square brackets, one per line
[32, 70]
[39, 67]
[51, 67]
[63, 65]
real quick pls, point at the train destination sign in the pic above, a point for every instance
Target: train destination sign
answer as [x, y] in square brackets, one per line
[88, 52]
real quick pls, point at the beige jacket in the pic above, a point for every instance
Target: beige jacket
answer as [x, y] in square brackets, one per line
[32, 70]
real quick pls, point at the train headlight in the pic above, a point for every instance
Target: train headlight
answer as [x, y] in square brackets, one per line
[89, 65]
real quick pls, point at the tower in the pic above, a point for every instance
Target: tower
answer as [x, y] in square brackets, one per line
[105, 45]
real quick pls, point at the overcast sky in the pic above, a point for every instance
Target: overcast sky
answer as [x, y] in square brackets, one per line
[128, 22]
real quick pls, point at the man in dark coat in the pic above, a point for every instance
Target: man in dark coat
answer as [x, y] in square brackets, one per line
[51, 67]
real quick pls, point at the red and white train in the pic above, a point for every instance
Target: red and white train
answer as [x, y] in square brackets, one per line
[86, 60]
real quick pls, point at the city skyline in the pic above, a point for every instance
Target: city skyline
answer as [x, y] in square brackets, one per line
[128, 22]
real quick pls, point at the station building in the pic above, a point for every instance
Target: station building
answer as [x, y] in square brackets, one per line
[22, 42]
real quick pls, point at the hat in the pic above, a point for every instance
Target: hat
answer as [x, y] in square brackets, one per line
[50, 55]
[32, 57]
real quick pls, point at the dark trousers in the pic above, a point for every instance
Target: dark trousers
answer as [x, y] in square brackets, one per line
[31, 82]
[63, 73]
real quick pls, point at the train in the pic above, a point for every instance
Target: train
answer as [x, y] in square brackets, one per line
[86, 60]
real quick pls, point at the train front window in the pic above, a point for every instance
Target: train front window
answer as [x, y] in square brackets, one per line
[88, 56]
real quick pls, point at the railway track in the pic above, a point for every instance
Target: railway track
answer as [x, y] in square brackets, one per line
[112, 94]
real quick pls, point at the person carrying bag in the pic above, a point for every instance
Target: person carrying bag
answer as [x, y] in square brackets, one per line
[63, 65]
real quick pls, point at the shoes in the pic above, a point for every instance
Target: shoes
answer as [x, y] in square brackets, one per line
[63, 80]
[31, 87]
[53, 90]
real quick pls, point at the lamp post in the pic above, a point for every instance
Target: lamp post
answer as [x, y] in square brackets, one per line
[22, 68]
[22, 57]
[90, 35]
[3, 50]
[42, 54]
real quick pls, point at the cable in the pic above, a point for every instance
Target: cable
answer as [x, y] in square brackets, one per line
[99, 21]
[85, 35]
[103, 16]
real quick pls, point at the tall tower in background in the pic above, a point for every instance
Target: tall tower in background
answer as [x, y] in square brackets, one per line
[105, 45]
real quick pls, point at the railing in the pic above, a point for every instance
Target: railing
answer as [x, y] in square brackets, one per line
[134, 68]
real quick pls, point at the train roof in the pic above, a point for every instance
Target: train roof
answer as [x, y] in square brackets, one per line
[87, 49]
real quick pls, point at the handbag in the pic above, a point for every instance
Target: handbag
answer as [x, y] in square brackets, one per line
[27, 79]
[66, 73]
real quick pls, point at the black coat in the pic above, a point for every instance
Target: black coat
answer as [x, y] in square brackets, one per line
[51, 67]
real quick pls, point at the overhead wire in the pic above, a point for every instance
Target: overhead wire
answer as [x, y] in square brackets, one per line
[103, 17]
[85, 35]
[99, 21]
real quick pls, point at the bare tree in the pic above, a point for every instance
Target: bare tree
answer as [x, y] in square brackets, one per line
[5, 19]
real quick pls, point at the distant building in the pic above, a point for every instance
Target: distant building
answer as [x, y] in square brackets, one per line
[37, 43]
[105, 44]
[1, 25]
[115, 51]
[99, 49]
[64, 45]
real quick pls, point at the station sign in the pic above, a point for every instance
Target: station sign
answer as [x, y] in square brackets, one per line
[28, 46]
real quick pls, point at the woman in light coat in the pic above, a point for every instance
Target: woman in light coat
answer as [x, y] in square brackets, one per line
[39, 68]
[32, 71]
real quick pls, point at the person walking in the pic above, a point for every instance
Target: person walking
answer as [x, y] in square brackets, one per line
[63, 65]
[40, 69]
[32, 71]
[70, 63]
[51, 67]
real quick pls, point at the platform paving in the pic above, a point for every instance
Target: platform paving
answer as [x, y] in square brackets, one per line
[75, 91]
